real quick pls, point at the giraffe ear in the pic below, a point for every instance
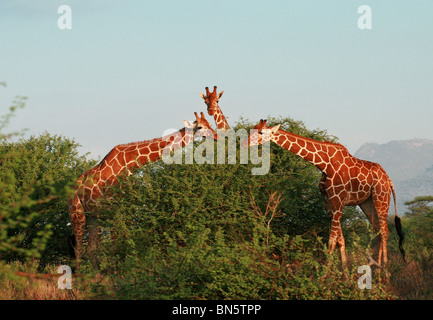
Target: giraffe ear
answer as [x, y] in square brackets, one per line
[188, 124]
[275, 129]
[202, 95]
[220, 94]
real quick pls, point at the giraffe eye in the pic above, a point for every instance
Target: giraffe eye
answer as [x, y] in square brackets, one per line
[260, 132]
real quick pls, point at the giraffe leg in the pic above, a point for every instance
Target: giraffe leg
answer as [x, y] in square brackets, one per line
[368, 208]
[334, 239]
[78, 222]
[93, 240]
[384, 240]
[336, 236]
[381, 199]
[325, 196]
[370, 211]
[383, 237]
[342, 246]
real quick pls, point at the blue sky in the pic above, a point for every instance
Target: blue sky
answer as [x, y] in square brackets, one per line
[129, 70]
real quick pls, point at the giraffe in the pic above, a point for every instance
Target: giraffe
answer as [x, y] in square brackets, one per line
[93, 184]
[345, 181]
[211, 99]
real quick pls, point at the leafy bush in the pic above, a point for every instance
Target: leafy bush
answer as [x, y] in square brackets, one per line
[36, 175]
[215, 231]
[414, 279]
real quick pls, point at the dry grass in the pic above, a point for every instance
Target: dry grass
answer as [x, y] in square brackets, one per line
[16, 284]
[37, 289]
[414, 280]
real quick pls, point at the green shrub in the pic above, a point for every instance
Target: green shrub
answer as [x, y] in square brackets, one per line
[216, 232]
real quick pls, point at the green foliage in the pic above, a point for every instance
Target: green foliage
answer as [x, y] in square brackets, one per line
[18, 103]
[36, 175]
[169, 253]
[421, 207]
[297, 180]
[418, 229]
[414, 280]
[419, 223]
[215, 231]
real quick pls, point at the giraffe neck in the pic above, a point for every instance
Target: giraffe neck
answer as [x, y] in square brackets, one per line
[220, 120]
[123, 159]
[132, 155]
[152, 150]
[315, 152]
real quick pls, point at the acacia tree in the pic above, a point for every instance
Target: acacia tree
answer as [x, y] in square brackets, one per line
[36, 175]
[418, 223]
[421, 206]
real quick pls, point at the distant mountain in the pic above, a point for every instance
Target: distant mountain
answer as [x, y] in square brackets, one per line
[409, 164]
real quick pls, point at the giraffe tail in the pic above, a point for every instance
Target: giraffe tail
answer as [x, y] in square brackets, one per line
[397, 222]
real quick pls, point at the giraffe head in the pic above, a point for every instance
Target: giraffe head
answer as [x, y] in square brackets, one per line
[261, 133]
[201, 126]
[211, 99]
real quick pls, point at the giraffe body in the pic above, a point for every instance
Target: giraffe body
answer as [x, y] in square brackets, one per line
[346, 181]
[122, 159]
